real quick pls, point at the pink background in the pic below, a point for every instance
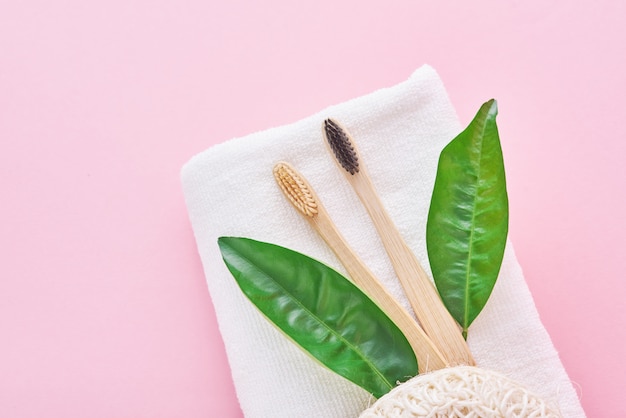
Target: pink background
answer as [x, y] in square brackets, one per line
[104, 310]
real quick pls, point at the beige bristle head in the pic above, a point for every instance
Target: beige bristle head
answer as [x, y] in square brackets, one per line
[296, 189]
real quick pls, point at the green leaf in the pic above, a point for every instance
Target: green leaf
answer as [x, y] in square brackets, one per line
[322, 312]
[468, 217]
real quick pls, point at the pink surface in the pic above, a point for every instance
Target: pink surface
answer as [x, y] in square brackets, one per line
[104, 310]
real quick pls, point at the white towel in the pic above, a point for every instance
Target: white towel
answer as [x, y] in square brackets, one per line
[400, 131]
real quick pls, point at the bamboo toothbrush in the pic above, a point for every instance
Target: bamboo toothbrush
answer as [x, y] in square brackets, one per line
[423, 297]
[297, 190]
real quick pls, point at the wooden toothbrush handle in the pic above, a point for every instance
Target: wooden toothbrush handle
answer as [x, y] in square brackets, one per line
[429, 358]
[421, 292]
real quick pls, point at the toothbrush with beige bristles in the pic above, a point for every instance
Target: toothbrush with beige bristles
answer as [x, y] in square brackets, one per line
[420, 291]
[297, 190]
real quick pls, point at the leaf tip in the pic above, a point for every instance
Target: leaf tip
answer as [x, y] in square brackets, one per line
[224, 242]
[491, 106]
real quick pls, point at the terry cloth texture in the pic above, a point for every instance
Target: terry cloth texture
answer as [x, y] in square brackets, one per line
[400, 131]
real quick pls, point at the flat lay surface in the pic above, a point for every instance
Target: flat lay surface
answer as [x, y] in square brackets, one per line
[105, 309]
[400, 132]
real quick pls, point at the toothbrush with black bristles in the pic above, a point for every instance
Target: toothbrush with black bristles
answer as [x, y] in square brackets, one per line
[420, 291]
[297, 190]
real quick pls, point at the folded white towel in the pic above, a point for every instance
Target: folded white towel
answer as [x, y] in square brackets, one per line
[400, 131]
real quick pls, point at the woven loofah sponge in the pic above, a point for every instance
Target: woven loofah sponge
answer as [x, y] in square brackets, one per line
[460, 392]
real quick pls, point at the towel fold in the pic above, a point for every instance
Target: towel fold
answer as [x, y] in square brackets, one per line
[400, 131]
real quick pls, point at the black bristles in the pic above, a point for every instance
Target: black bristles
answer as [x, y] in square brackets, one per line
[341, 146]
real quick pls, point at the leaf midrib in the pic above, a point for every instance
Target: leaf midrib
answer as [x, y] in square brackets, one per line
[472, 228]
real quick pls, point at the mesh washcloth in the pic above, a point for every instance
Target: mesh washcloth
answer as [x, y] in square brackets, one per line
[461, 392]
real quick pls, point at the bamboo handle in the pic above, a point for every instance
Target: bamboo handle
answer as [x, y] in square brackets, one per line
[428, 356]
[422, 294]
[303, 198]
